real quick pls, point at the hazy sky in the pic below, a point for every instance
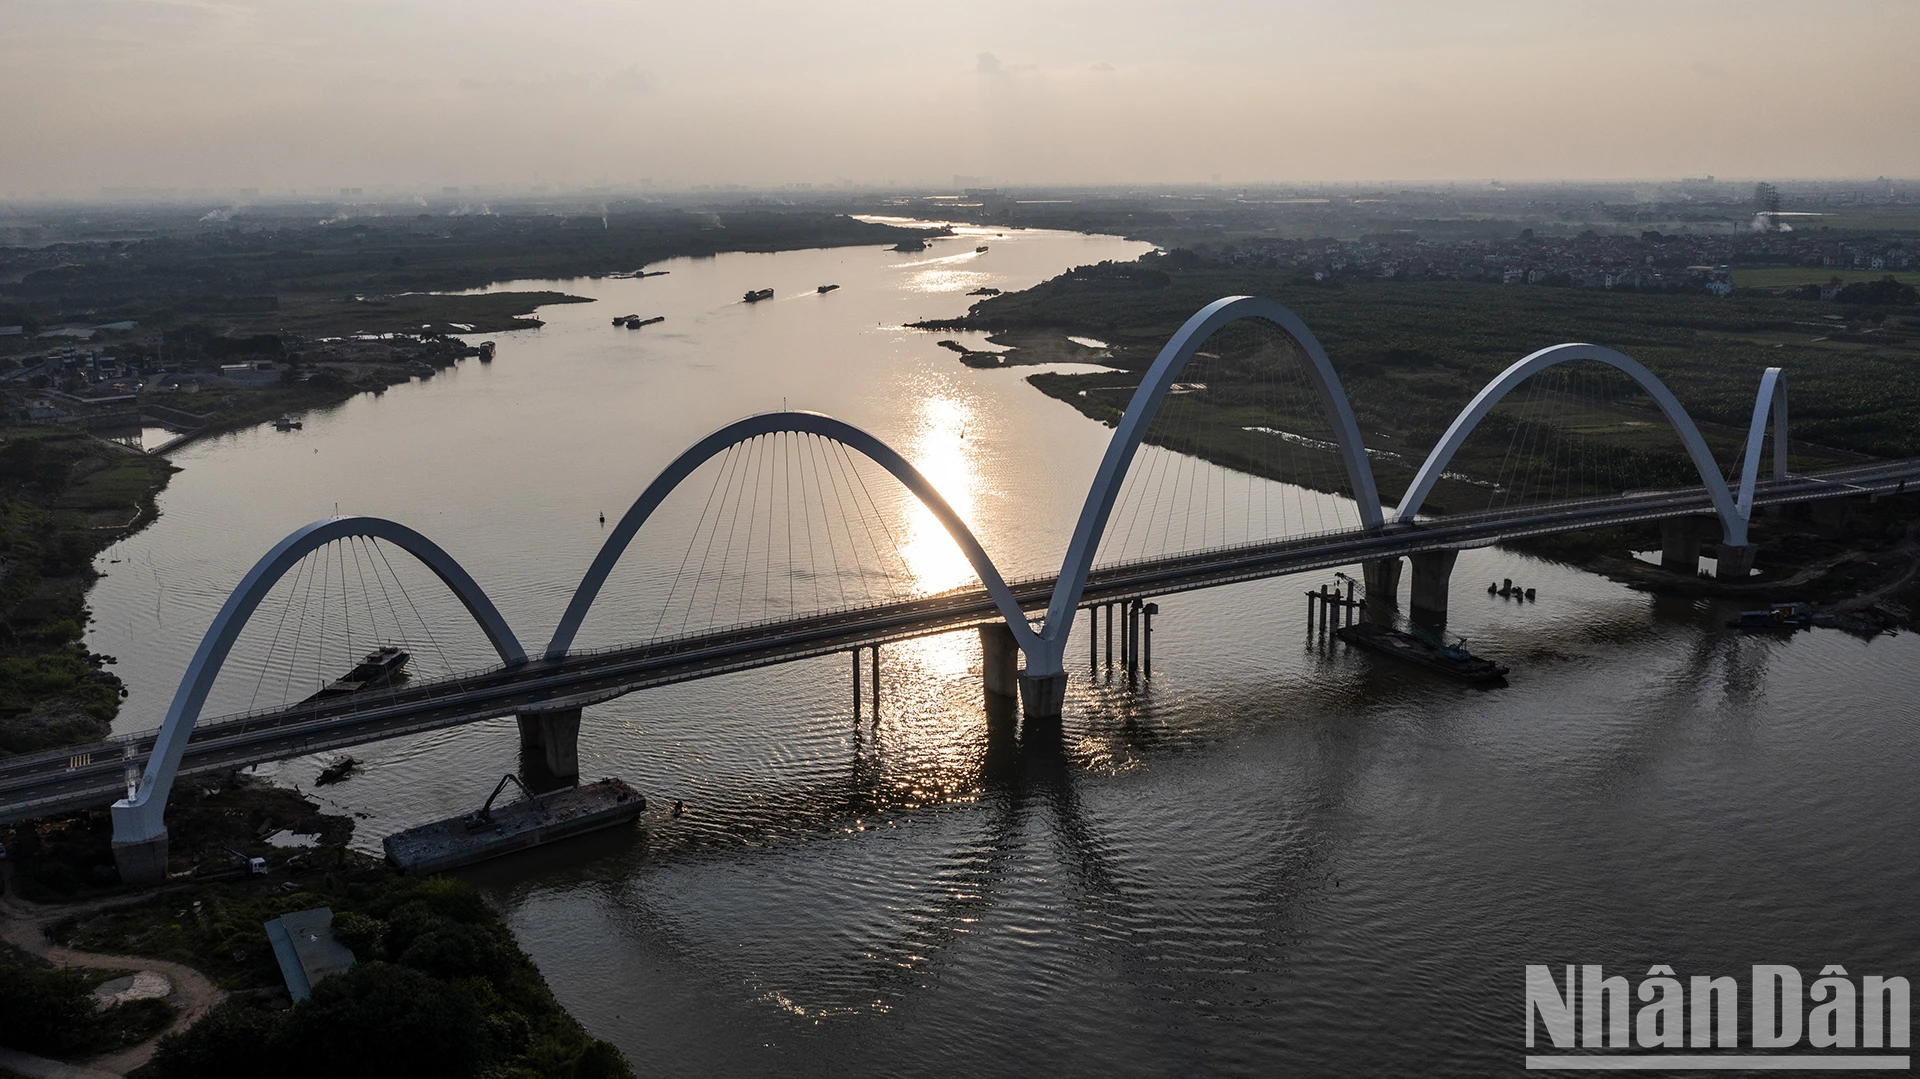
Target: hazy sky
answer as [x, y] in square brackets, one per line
[428, 93]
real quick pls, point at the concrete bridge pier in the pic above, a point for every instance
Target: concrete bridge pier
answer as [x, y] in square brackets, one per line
[1680, 542]
[999, 660]
[1427, 594]
[556, 733]
[142, 861]
[1382, 578]
[1042, 696]
[1734, 562]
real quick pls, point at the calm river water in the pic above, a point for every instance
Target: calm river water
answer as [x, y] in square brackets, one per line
[1276, 858]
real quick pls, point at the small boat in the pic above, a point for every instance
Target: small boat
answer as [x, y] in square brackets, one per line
[1417, 647]
[486, 352]
[1777, 616]
[286, 423]
[637, 322]
[757, 295]
[622, 320]
[979, 249]
[337, 771]
[826, 288]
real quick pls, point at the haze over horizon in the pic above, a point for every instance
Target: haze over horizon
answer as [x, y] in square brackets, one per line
[228, 94]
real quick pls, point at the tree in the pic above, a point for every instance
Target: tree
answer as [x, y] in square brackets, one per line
[1885, 292]
[233, 1041]
[378, 1020]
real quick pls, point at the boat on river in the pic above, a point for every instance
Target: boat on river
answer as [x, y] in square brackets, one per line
[535, 820]
[757, 295]
[826, 288]
[378, 668]
[1778, 618]
[1452, 660]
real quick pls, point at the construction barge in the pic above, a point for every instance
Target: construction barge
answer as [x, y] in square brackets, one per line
[1451, 660]
[536, 820]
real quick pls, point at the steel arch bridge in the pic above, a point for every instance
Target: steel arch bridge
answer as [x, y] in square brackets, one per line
[1041, 641]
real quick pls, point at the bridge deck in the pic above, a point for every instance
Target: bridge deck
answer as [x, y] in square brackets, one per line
[92, 775]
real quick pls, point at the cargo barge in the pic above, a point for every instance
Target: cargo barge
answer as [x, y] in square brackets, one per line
[532, 822]
[1450, 660]
[382, 666]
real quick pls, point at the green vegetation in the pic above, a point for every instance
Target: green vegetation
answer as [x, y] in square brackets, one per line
[416, 312]
[63, 495]
[51, 1011]
[1813, 275]
[438, 988]
[1411, 354]
[262, 271]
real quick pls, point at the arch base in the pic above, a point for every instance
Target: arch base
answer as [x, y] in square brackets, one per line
[1734, 562]
[1042, 695]
[141, 861]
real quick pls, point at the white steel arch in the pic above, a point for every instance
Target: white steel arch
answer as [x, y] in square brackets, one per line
[1772, 398]
[1180, 348]
[797, 423]
[1732, 520]
[140, 817]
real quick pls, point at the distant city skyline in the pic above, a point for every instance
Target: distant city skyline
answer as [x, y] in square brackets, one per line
[423, 95]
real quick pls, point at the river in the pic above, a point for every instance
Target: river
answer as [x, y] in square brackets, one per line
[1277, 856]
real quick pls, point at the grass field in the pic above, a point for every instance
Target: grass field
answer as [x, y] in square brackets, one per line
[1815, 275]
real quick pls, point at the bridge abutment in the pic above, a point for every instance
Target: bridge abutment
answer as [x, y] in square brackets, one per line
[1382, 578]
[1427, 594]
[141, 861]
[556, 734]
[1680, 542]
[999, 660]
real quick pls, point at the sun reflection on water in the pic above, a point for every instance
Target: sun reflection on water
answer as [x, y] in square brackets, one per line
[939, 451]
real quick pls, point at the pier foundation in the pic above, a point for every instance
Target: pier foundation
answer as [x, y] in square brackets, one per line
[1382, 578]
[556, 734]
[1734, 563]
[999, 660]
[1042, 696]
[1680, 541]
[1427, 593]
[142, 861]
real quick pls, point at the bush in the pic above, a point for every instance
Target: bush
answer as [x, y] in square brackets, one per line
[1884, 292]
[47, 1010]
[452, 949]
[365, 937]
[233, 1041]
[377, 1019]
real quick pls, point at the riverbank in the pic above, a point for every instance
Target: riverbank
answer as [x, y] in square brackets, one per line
[473, 999]
[342, 309]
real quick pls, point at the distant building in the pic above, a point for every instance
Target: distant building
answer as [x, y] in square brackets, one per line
[256, 373]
